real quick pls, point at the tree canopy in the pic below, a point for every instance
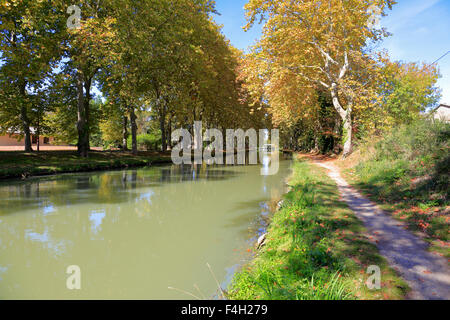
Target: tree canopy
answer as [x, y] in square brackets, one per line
[105, 70]
[311, 46]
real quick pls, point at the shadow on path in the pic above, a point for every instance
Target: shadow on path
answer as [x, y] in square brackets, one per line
[427, 274]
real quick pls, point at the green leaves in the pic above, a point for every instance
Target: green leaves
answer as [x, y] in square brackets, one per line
[165, 57]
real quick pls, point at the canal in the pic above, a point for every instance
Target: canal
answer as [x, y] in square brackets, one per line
[132, 233]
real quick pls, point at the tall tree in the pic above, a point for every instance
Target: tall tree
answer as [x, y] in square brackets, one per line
[407, 89]
[30, 34]
[317, 44]
[88, 50]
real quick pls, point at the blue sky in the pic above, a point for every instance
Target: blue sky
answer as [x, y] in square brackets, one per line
[233, 19]
[420, 28]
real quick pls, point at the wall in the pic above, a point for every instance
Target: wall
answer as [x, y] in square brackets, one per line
[442, 113]
[7, 141]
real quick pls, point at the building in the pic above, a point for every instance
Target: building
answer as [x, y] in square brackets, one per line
[15, 139]
[442, 113]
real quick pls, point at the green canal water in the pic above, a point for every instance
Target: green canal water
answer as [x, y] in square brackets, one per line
[133, 233]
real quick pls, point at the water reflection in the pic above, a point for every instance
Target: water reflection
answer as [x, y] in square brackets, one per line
[2, 270]
[98, 188]
[54, 247]
[133, 233]
[96, 218]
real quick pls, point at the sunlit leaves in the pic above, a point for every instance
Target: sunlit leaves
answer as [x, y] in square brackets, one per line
[309, 46]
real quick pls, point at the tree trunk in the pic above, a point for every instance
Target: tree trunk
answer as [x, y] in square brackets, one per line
[133, 131]
[87, 110]
[348, 134]
[169, 134]
[25, 120]
[81, 122]
[337, 134]
[38, 134]
[125, 134]
[346, 116]
[26, 129]
[83, 113]
[162, 126]
[316, 144]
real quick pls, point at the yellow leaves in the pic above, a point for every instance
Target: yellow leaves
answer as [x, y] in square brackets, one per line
[304, 47]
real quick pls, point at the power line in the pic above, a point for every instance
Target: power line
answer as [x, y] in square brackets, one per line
[441, 58]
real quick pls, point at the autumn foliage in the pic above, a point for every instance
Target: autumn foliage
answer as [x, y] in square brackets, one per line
[146, 67]
[315, 48]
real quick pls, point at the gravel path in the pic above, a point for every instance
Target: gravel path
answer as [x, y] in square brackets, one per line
[427, 274]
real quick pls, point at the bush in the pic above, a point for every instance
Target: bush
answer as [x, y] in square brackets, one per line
[422, 138]
[409, 151]
[147, 141]
[407, 172]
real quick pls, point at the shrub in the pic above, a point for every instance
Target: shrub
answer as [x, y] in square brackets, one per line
[409, 151]
[407, 172]
[147, 141]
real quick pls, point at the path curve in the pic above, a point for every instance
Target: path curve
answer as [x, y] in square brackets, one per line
[427, 274]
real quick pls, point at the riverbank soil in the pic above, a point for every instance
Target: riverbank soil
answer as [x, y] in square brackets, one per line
[315, 248]
[23, 165]
[424, 268]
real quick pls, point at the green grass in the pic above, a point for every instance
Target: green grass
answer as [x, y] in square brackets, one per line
[315, 249]
[22, 165]
[407, 174]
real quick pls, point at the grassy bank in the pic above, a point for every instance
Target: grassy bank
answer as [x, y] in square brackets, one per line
[407, 173]
[22, 165]
[315, 249]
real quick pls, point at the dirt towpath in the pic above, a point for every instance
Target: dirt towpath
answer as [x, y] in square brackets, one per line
[427, 274]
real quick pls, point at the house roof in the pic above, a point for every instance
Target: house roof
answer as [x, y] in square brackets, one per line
[442, 105]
